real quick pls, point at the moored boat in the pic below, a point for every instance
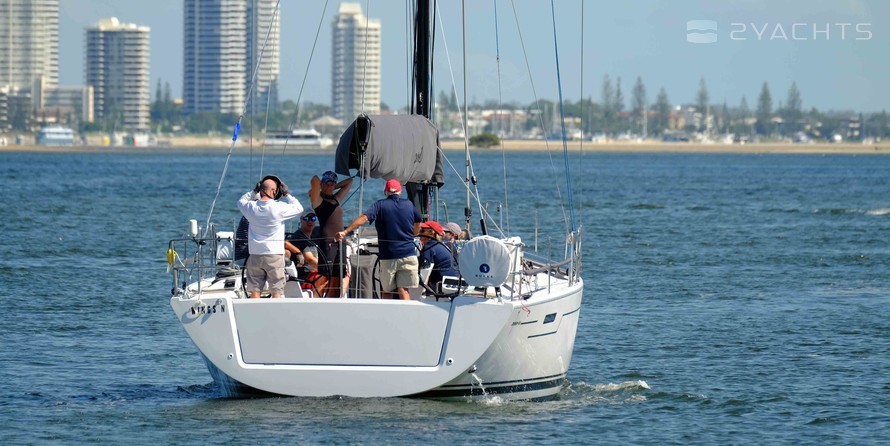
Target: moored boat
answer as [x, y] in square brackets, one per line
[298, 139]
[55, 135]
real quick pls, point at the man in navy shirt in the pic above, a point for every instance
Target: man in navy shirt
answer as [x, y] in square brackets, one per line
[397, 222]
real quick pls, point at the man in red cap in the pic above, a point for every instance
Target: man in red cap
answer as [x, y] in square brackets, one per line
[397, 222]
[434, 253]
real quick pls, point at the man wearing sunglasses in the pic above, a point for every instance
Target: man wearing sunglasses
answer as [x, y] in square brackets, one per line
[325, 196]
[303, 251]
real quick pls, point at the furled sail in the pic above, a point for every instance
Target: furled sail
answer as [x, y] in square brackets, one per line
[403, 147]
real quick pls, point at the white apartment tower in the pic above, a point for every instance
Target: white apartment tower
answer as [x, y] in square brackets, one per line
[29, 42]
[355, 67]
[259, 15]
[117, 67]
[215, 56]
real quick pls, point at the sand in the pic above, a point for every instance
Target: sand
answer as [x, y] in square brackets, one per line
[198, 144]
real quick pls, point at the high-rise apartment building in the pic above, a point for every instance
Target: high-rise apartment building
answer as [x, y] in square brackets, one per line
[263, 46]
[29, 42]
[355, 66]
[215, 56]
[117, 67]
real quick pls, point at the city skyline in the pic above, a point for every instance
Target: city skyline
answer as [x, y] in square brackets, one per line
[117, 70]
[355, 71]
[30, 45]
[776, 42]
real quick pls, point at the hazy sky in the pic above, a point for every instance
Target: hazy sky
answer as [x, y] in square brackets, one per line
[836, 50]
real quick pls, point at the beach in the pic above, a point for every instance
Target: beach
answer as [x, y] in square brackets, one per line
[201, 144]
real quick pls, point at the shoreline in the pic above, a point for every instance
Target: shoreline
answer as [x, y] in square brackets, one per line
[198, 145]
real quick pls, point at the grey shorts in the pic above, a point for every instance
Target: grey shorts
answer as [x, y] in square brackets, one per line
[398, 273]
[263, 268]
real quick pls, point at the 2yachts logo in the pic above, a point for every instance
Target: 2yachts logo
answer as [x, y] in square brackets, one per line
[701, 31]
[706, 31]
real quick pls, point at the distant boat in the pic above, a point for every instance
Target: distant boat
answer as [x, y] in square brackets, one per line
[140, 139]
[298, 139]
[55, 135]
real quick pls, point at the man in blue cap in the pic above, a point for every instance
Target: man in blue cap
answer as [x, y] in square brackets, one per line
[325, 196]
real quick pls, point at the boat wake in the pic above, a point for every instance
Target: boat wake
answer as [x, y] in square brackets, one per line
[578, 394]
[881, 211]
[842, 211]
[611, 393]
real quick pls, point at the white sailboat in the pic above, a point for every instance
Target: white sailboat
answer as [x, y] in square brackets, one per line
[506, 326]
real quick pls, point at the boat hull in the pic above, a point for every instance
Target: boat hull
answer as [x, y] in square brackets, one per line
[470, 347]
[531, 356]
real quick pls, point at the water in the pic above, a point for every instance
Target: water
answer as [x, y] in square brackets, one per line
[730, 299]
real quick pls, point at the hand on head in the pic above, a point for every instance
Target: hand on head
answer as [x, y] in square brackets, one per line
[269, 189]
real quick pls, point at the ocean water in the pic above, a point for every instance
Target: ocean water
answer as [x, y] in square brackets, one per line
[729, 299]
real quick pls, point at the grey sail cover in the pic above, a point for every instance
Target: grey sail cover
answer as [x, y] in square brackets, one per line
[401, 147]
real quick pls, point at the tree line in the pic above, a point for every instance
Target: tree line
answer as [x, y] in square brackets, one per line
[611, 115]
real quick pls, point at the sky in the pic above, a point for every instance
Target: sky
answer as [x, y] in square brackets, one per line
[835, 50]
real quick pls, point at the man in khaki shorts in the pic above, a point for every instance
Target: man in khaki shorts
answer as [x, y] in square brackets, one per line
[397, 222]
[265, 235]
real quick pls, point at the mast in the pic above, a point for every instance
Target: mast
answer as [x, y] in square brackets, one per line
[422, 101]
[422, 58]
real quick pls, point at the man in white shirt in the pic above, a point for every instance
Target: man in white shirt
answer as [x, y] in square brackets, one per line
[265, 238]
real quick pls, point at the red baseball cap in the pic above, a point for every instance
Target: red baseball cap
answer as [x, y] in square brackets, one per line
[434, 226]
[393, 186]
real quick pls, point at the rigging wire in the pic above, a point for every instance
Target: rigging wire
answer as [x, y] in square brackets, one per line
[409, 86]
[581, 145]
[540, 112]
[305, 76]
[500, 106]
[475, 195]
[562, 116]
[470, 170]
[580, 252]
[266, 120]
[463, 121]
[365, 56]
[238, 123]
[466, 117]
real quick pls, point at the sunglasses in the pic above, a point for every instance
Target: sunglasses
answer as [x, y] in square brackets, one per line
[312, 218]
